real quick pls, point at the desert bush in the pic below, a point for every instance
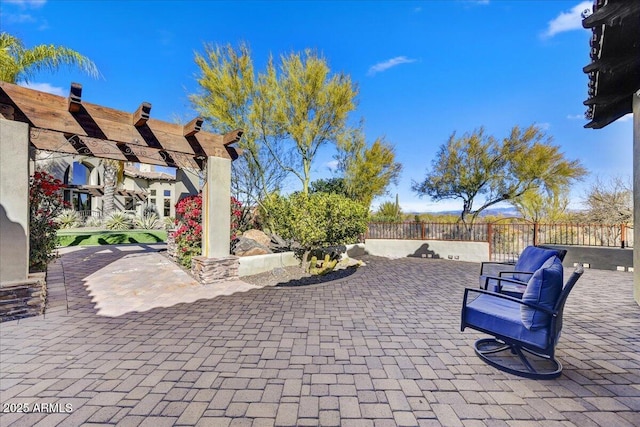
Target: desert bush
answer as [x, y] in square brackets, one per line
[93, 221]
[316, 220]
[118, 221]
[168, 222]
[68, 218]
[147, 222]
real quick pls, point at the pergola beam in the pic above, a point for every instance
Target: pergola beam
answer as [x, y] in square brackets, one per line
[75, 97]
[48, 140]
[141, 115]
[193, 127]
[232, 137]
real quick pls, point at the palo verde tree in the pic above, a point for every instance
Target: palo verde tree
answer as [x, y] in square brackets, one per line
[539, 206]
[18, 63]
[311, 107]
[288, 112]
[479, 168]
[229, 99]
[367, 170]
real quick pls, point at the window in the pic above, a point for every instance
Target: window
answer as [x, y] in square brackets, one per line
[152, 201]
[153, 192]
[167, 193]
[167, 207]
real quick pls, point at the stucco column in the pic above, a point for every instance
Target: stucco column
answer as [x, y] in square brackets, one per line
[14, 201]
[636, 196]
[187, 183]
[216, 213]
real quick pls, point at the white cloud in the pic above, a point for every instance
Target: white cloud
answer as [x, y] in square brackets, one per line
[332, 165]
[567, 21]
[20, 18]
[626, 117]
[390, 63]
[575, 116]
[33, 4]
[45, 87]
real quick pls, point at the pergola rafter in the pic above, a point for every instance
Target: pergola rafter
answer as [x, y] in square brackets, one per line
[69, 125]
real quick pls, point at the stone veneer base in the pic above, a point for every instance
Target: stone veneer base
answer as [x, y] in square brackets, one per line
[23, 298]
[212, 270]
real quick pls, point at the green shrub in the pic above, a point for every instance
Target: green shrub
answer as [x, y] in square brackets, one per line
[118, 221]
[68, 218]
[147, 222]
[316, 220]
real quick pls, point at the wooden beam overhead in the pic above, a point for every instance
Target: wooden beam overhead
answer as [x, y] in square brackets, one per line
[141, 115]
[232, 137]
[193, 126]
[95, 122]
[48, 140]
[75, 97]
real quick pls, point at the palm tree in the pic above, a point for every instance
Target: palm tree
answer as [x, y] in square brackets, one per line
[19, 64]
[112, 176]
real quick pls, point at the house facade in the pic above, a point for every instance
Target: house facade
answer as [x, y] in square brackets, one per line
[143, 187]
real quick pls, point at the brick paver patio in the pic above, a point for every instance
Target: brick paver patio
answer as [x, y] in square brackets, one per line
[381, 347]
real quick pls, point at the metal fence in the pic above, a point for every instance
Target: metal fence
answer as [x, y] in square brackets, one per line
[427, 231]
[86, 214]
[507, 239]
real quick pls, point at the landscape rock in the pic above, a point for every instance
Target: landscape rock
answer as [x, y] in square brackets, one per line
[258, 236]
[247, 247]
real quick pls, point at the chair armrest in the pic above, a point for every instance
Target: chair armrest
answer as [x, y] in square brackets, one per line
[500, 273]
[505, 297]
[500, 280]
[494, 263]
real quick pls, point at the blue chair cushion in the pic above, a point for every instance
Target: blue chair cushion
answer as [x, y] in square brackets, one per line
[531, 259]
[542, 289]
[502, 317]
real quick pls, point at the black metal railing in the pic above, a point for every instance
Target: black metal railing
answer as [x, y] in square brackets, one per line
[507, 239]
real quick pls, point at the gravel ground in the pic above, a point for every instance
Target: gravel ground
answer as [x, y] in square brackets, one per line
[293, 275]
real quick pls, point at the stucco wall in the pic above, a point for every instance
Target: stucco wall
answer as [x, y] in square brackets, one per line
[14, 200]
[250, 265]
[597, 257]
[458, 251]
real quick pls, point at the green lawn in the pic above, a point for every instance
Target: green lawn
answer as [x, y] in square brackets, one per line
[108, 237]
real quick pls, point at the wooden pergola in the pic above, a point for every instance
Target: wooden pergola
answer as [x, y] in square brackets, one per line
[69, 125]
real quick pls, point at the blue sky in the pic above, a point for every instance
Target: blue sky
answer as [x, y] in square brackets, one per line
[424, 69]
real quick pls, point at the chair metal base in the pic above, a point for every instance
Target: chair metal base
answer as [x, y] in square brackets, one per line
[517, 360]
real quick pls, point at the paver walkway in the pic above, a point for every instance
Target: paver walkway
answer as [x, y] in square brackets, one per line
[382, 347]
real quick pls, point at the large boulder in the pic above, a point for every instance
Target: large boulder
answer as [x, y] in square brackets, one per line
[247, 247]
[258, 236]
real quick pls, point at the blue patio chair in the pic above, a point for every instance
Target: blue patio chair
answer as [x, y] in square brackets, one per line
[518, 273]
[525, 330]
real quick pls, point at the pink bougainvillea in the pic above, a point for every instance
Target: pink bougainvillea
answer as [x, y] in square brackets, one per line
[188, 233]
[45, 203]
